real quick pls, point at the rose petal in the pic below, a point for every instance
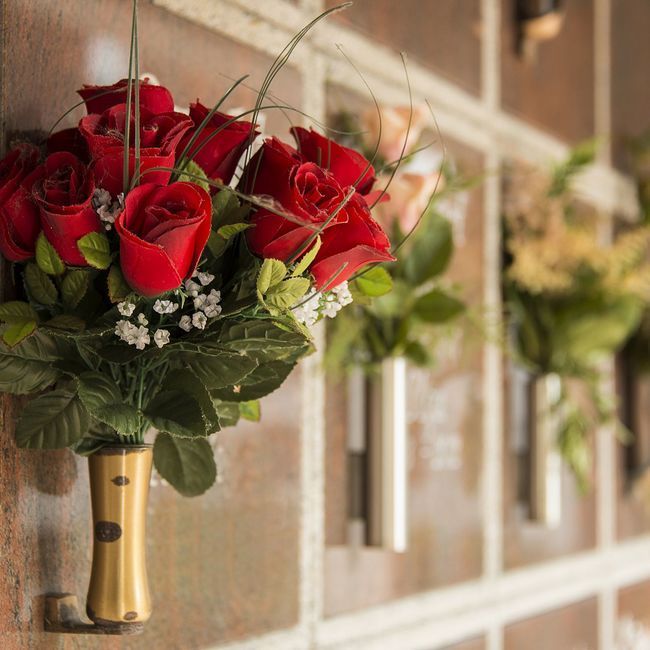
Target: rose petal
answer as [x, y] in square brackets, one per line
[156, 99]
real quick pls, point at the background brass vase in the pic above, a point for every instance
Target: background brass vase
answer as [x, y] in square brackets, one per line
[118, 595]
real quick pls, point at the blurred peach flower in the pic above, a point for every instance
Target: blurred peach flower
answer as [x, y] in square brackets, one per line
[394, 124]
[409, 196]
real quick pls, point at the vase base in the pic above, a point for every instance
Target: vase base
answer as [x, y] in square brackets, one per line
[62, 617]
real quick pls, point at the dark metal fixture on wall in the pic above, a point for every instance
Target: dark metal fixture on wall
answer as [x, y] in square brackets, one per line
[537, 21]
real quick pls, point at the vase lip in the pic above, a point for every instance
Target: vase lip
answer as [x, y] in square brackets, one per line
[114, 448]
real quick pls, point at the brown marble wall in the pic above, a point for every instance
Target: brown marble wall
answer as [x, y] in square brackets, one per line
[222, 566]
[570, 628]
[630, 88]
[634, 603]
[444, 35]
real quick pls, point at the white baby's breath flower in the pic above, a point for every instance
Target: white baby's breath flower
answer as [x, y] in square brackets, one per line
[307, 313]
[212, 311]
[107, 209]
[142, 338]
[200, 301]
[342, 293]
[142, 319]
[126, 308]
[101, 198]
[331, 306]
[214, 297]
[199, 319]
[192, 288]
[161, 338]
[205, 278]
[185, 323]
[165, 307]
[122, 328]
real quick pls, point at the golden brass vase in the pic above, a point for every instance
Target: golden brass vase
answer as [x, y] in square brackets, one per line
[118, 595]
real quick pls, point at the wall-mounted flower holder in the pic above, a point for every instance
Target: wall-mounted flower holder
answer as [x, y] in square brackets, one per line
[633, 393]
[118, 595]
[537, 21]
[377, 448]
[546, 460]
[534, 423]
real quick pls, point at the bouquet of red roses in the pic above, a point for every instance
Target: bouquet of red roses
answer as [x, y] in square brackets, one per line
[153, 291]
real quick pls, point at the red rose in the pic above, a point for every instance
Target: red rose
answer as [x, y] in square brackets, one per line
[156, 99]
[64, 194]
[349, 246]
[19, 222]
[159, 138]
[69, 140]
[163, 231]
[310, 196]
[348, 166]
[219, 157]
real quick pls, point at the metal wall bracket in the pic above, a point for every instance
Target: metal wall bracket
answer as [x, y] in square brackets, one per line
[62, 617]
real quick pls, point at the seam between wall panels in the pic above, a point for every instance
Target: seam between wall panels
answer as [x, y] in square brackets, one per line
[492, 453]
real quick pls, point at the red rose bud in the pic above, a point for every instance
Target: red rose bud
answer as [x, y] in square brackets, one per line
[19, 162]
[219, 156]
[348, 166]
[64, 195]
[309, 196]
[159, 138]
[163, 231]
[19, 220]
[156, 99]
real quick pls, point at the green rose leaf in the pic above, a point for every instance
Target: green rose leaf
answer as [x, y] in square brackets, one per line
[307, 258]
[228, 412]
[96, 250]
[178, 413]
[73, 287]
[17, 311]
[287, 293]
[431, 252]
[271, 273]
[103, 399]
[216, 245]
[264, 341]
[265, 379]
[47, 258]
[39, 285]
[18, 332]
[118, 288]
[193, 173]
[232, 229]
[53, 421]
[437, 307]
[226, 209]
[218, 368]
[186, 463]
[187, 381]
[250, 410]
[66, 322]
[375, 282]
[29, 366]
